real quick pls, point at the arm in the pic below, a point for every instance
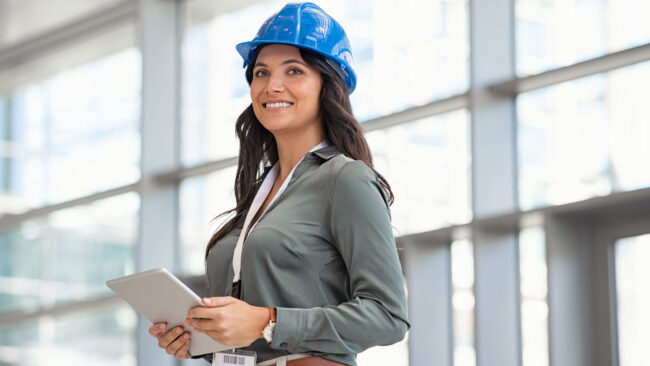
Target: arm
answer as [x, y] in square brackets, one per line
[376, 314]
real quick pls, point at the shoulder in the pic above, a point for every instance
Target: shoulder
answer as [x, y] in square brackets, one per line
[353, 179]
[344, 168]
[350, 171]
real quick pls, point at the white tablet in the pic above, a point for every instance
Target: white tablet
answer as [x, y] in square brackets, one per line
[161, 297]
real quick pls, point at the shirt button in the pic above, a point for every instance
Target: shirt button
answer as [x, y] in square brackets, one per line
[283, 345]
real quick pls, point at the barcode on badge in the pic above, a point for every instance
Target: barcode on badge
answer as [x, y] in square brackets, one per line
[233, 360]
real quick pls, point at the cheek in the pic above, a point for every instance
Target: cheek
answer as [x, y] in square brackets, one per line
[254, 91]
[311, 94]
[254, 94]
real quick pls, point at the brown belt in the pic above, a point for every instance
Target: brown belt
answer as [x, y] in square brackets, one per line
[313, 361]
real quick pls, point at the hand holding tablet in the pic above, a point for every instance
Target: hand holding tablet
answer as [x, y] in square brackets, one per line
[162, 298]
[176, 342]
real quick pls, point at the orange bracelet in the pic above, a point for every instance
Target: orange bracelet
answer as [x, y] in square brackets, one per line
[267, 332]
[272, 314]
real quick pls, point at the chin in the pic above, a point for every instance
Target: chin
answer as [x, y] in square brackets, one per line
[277, 127]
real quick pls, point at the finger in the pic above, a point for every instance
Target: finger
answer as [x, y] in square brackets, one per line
[203, 325]
[177, 344]
[156, 329]
[165, 340]
[204, 313]
[218, 301]
[183, 352]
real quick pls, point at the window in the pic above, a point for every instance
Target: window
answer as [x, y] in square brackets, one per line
[554, 33]
[462, 278]
[534, 293]
[584, 138]
[201, 200]
[72, 134]
[36, 273]
[105, 337]
[427, 164]
[98, 238]
[632, 256]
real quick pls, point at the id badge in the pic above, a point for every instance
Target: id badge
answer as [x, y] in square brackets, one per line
[235, 357]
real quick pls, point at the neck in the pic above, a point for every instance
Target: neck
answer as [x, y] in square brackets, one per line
[293, 148]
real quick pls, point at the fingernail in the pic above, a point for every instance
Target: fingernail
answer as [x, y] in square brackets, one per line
[179, 330]
[186, 336]
[161, 326]
[208, 300]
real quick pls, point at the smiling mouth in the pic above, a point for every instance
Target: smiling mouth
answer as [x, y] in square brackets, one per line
[277, 105]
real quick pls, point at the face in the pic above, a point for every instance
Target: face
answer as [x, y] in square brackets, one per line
[285, 90]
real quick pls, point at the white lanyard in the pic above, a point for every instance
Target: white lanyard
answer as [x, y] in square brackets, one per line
[261, 195]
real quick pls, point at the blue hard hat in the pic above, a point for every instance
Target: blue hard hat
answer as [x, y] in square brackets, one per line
[307, 26]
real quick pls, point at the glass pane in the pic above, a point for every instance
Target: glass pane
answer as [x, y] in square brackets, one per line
[463, 300]
[427, 164]
[201, 200]
[584, 138]
[554, 33]
[633, 300]
[72, 134]
[406, 53]
[98, 338]
[534, 290]
[35, 266]
[5, 148]
[28, 18]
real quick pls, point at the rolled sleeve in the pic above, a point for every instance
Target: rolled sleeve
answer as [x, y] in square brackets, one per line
[376, 313]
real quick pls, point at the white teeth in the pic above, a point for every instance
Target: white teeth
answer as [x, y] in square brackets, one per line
[278, 105]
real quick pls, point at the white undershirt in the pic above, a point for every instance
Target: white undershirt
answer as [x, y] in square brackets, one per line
[259, 199]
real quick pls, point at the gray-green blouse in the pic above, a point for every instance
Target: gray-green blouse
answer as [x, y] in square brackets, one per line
[324, 255]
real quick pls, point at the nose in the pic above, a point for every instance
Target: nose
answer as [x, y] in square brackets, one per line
[276, 84]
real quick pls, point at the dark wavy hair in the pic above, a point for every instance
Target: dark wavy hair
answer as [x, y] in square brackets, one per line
[257, 147]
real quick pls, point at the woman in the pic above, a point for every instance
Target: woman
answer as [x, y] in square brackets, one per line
[306, 272]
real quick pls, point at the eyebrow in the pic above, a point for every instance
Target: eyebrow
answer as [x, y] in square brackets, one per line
[290, 61]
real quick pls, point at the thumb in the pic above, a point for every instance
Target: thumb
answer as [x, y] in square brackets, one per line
[213, 302]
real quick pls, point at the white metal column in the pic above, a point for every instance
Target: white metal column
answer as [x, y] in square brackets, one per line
[429, 283]
[159, 35]
[494, 178]
[569, 252]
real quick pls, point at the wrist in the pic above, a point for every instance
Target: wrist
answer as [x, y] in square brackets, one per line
[264, 317]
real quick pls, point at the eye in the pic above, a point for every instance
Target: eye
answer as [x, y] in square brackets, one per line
[260, 73]
[294, 71]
